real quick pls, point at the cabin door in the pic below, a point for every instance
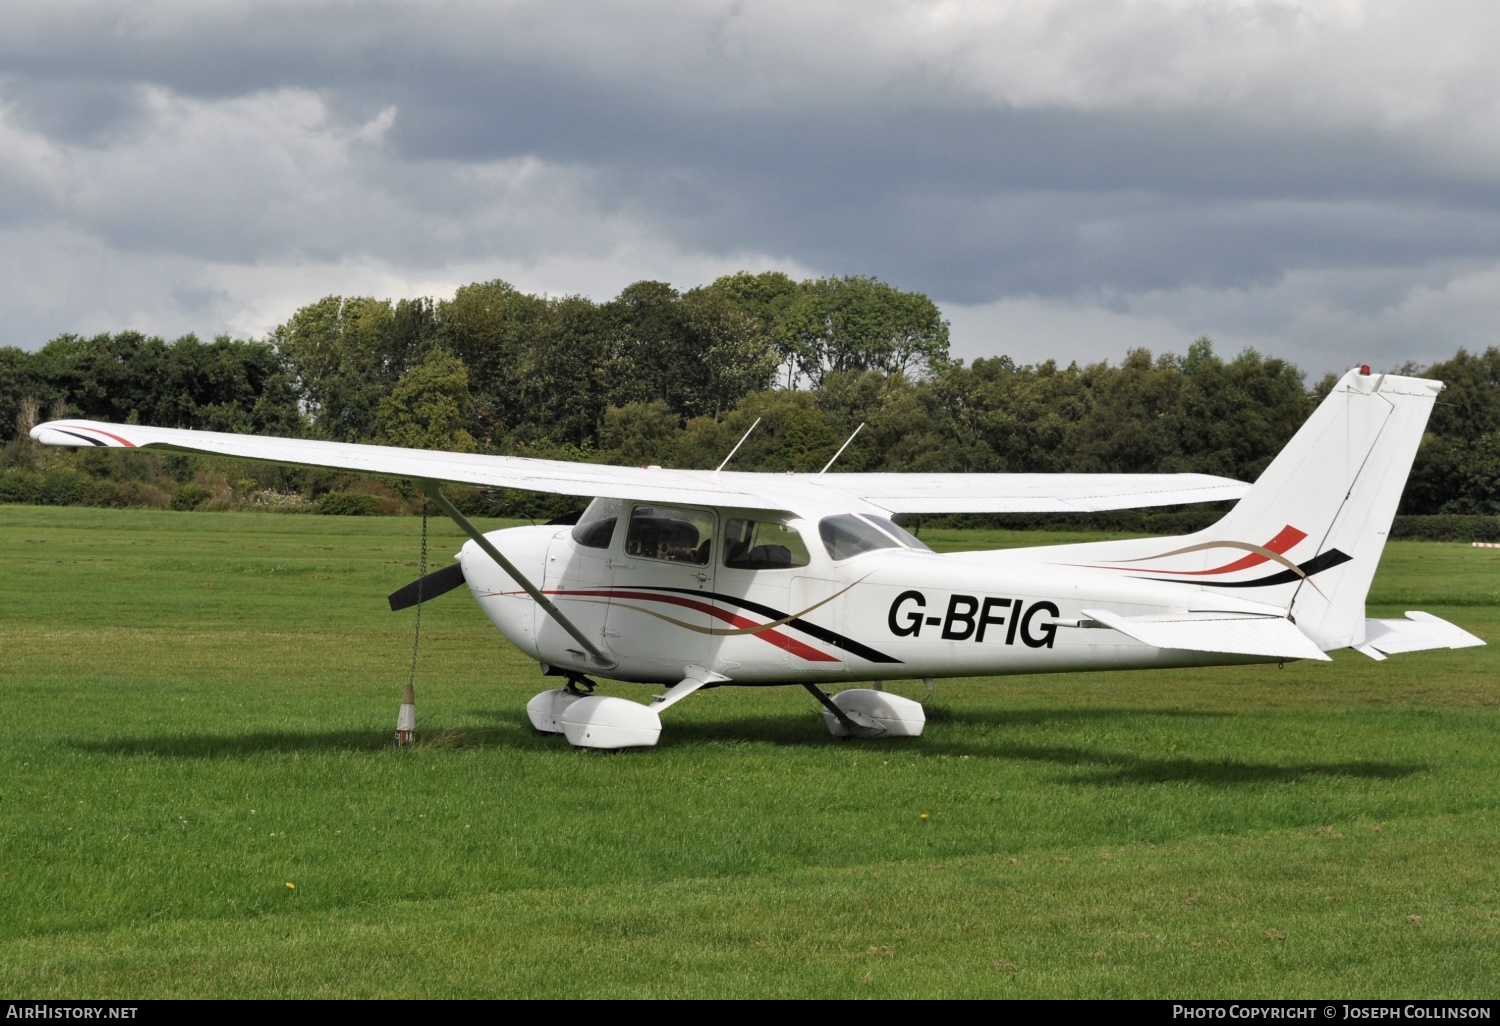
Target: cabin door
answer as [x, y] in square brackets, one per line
[661, 607]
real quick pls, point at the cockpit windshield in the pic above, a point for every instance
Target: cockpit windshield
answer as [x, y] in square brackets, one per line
[596, 526]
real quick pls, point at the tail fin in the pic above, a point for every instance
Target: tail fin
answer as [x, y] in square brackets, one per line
[1316, 521]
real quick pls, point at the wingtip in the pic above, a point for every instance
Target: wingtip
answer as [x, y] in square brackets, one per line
[50, 433]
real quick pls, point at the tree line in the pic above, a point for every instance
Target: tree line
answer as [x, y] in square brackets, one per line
[659, 376]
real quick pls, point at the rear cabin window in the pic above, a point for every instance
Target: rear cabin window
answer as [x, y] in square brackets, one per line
[898, 532]
[849, 534]
[762, 545]
[670, 534]
[596, 526]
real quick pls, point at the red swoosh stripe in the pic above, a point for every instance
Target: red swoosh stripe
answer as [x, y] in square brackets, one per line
[776, 638]
[781, 641]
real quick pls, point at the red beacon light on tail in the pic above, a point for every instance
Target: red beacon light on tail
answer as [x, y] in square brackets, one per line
[1364, 369]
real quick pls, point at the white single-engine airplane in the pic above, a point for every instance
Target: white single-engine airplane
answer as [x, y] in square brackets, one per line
[701, 579]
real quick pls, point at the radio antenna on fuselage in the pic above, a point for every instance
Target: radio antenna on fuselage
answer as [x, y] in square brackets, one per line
[736, 447]
[841, 449]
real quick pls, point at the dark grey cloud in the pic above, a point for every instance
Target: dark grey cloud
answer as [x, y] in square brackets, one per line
[1079, 155]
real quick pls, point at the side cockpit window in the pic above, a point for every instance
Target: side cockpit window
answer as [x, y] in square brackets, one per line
[597, 525]
[670, 534]
[762, 545]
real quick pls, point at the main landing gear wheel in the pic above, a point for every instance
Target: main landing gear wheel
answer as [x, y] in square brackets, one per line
[873, 714]
[597, 721]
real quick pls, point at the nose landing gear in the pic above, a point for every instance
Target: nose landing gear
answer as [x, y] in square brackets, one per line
[597, 721]
[546, 710]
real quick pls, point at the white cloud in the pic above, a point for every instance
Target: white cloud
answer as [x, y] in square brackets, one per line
[1316, 178]
[1322, 320]
[59, 281]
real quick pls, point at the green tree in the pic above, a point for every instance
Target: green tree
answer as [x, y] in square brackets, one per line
[492, 327]
[223, 385]
[648, 332]
[767, 298]
[332, 347]
[640, 434]
[348, 353]
[18, 380]
[1470, 404]
[857, 323]
[729, 355]
[429, 407]
[1458, 464]
[574, 369]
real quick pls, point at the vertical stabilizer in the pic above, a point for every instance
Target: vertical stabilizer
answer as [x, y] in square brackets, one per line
[1316, 521]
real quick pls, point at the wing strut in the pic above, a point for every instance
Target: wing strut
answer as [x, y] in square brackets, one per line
[431, 489]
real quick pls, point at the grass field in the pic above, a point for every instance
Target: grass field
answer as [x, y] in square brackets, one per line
[195, 709]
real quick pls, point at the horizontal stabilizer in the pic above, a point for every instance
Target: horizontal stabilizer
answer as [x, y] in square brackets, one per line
[1419, 632]
[424, 589]
[1231, 633]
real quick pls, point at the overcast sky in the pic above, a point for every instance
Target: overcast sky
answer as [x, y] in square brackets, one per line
[1070, 179]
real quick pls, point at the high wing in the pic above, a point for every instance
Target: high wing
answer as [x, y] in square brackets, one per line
[553, 476]
[1032, 493]
[893, 493]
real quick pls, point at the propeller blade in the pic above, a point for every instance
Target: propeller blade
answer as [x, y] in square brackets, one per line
[439, 582]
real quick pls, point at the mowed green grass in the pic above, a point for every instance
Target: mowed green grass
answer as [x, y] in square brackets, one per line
[195, 710]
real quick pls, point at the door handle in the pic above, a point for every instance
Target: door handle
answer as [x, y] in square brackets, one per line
[702, 577]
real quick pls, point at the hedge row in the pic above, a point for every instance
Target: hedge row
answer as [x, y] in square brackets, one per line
[1447, 527]
[64, 487]
[1132, 520]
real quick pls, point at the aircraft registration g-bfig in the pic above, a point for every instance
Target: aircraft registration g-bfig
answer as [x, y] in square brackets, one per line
[701, 579]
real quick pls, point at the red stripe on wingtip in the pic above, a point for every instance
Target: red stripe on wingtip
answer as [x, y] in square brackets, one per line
[127, 443]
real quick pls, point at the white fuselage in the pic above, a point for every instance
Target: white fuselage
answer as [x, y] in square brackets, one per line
[881, 615]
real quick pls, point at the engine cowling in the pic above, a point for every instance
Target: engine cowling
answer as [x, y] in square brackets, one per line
[508, 607]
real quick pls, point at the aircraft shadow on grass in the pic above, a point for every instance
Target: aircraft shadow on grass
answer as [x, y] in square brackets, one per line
[1096, 766]
[239, 746]
[1114, 769]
